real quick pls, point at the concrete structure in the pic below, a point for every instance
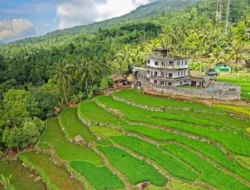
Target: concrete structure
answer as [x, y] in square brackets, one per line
[167, 71]
[222, 68]
[165, 74]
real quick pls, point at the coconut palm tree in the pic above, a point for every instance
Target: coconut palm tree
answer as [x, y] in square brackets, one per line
[62, 74]
[239, 51]
[88, 71]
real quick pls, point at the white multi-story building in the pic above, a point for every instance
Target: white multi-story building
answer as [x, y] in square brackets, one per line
[166, 71]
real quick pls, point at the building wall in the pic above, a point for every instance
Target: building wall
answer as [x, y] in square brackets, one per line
[155, 62]
[220, 91]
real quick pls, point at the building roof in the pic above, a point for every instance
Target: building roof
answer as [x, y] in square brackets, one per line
[196, 74]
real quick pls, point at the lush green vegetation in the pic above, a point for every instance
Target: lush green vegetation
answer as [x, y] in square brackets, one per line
[89, 111]
[105, 131]
[99, 177]
[40, 77]
[135, 170]
[21, 178]
[65, 150]
[69, 120]
[66, 67]
[208, 173]
[237, 109]
[209, 150]
[166, 161]
[136, 97]
[234, 141]
[130, 110]
[58, 176]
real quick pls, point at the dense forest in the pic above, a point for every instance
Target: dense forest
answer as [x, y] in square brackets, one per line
[40, 74]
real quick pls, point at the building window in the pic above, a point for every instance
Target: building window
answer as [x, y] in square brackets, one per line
[182, 73]
[148, 71]
[169, 83]
[148, 61]
[162, 82]
[156, 63]
[155, 81]
[178, 63]
[156, 73]
[178, 73]
[171, 62]
[162, 64]
[186, 62]
[182, 62]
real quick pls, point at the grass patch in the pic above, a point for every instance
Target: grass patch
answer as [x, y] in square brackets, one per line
[105, 131]
[206, 149]
[58, 176]
[136, 97]
[178, 185]
[237, 109]
[166, 161]
[65, 150]
[91, 112]
[99, 177]
[131, 110]
[69, 120]
[235, 142]
[245, 161]
[227, 120]
[22, 178]
[135, 170]
[248, 130]
[208, 173]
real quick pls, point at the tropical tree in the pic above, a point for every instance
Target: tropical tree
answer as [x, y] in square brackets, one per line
[62, 73]
[88, 70]
[239, 51]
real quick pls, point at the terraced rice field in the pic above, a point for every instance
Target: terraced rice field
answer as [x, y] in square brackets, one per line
[130, 139]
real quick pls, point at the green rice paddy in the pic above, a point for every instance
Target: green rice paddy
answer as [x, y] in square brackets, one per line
[183, 145]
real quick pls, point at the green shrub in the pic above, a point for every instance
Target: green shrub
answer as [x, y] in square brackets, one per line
[135, 170]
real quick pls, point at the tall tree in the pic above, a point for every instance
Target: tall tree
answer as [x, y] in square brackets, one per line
[88, 71]
[62, 74]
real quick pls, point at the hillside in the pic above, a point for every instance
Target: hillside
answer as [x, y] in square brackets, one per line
[202, 148]
[142, 12]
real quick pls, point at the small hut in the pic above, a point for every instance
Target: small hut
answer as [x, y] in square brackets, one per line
[120, 80]
[222, 68]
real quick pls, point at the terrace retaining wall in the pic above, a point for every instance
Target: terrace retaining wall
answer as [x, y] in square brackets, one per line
[219, 91]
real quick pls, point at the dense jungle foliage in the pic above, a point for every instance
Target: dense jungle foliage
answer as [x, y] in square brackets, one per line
[40, 74]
